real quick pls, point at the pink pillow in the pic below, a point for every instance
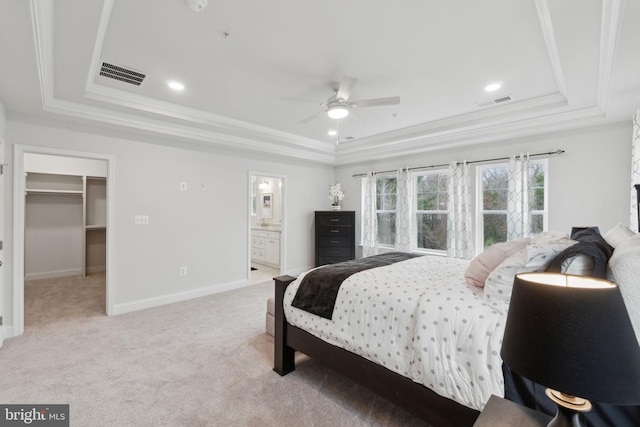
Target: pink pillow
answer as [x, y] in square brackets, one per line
[481, 266]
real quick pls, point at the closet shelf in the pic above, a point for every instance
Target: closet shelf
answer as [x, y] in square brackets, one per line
[95, 227]
[49, 191]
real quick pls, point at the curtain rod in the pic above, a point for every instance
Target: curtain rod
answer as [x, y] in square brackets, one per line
[550, 153]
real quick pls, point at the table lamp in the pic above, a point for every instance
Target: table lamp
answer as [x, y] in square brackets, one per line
[572, 334]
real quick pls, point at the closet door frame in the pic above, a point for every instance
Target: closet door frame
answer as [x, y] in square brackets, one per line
[19, 225]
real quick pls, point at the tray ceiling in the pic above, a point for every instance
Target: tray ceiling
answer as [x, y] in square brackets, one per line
[252, 70]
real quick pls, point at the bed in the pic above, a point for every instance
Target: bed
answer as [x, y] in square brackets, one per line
[425, 332]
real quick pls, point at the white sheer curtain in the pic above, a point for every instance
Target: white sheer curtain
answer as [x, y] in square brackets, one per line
[518, 210]
[404, 229]
[459, 240]
[369, 217]
[635, 171]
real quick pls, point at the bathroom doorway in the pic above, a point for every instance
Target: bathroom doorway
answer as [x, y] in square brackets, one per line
[266, 226]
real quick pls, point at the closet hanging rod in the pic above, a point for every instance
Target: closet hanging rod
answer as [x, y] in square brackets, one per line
[550, 153]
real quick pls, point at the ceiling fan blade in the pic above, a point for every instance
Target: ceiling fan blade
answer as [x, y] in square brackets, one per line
[308, 119]
[344, 91]
[393, 100]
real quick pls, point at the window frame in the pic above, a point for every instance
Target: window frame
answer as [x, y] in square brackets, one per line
[415, 211]
[386, 211]
[479, 203]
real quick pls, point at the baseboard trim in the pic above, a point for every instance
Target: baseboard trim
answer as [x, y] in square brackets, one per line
[142, 304]
[5, 332]
[52, 274]
[96, 269]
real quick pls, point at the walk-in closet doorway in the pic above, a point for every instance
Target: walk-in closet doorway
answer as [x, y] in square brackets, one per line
[63, 222]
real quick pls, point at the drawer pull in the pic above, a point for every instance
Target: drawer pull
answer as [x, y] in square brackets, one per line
[335, 241]
[335, 219]
[335, 231]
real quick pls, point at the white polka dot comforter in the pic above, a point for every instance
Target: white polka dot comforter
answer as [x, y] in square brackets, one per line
[420, 319]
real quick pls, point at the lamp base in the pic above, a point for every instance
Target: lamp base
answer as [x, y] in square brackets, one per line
[569, 408]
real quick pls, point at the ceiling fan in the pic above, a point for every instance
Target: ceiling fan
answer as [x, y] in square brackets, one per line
[338, 106]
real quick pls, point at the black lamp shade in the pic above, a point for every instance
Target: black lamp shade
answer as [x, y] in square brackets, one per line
[573, 339]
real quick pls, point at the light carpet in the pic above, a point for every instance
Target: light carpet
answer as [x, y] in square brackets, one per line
[203, 362]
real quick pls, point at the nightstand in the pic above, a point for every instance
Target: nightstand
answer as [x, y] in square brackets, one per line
[499, 412]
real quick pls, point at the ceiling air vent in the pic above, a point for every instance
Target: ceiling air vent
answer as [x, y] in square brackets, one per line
[120, 73]
[494, 101]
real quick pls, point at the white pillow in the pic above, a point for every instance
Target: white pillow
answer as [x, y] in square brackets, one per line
[618, 234]
[497, 287]
[547, 237]
[624, 269]
[480, 267]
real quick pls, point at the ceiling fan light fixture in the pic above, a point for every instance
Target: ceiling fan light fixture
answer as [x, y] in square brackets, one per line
[338, 112]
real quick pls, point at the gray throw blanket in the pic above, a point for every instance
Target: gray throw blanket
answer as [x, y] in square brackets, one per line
[590, 243]
[318, 290]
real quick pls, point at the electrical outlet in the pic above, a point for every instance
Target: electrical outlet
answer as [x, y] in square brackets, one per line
[203, 187]
[141, 220]
[183, 186]
[183, 271]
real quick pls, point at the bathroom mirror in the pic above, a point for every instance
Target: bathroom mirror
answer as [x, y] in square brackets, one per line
[266, 205]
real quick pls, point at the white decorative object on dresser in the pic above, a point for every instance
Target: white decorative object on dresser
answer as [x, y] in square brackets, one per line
[265, 246]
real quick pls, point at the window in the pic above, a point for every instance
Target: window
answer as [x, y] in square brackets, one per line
[492, 201]
[386, 209]
[431, 198]
[430, 206]
[537, 196]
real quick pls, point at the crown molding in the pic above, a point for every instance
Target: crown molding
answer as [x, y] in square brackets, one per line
[546, 26]
[472, 135]
[609, 34]
[503, 114]
[202, 118]
[96, 114]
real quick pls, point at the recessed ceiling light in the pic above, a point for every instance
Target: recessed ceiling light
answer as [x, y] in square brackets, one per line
[175, 85]
[333, 133]
[493, 87]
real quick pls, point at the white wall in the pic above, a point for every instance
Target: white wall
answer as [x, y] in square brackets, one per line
[589, 183]
[3, 225]
[205, 231]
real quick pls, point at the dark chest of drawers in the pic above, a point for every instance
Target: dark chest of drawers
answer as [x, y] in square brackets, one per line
[335, 236]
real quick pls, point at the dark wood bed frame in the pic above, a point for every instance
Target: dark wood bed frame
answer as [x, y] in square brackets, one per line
[413, 397]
